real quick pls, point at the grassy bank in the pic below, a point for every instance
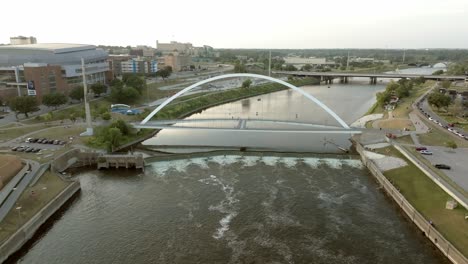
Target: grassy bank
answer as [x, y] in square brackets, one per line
[430, 201]
[197, 103]
[31, 201]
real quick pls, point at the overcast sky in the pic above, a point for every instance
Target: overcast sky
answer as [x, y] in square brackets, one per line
[242, 23]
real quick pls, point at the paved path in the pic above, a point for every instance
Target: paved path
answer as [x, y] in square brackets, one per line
[10, 202]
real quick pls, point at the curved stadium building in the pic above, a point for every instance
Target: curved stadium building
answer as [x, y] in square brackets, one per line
[46, 68]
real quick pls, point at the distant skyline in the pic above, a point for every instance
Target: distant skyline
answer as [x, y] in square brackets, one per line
[293, 24]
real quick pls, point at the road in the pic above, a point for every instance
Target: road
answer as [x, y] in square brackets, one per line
[18, 190]
[456, 159]
[424, 106]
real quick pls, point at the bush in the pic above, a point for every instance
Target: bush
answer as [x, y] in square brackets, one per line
[106, 116]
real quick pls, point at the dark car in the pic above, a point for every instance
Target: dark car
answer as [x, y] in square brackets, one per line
[36, 150]
[28, 150]
[421, 148]
[442, 166]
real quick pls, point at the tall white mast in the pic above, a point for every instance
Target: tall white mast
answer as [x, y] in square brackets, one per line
[89, 128]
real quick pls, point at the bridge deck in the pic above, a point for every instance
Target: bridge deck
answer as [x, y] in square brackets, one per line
[372, 75]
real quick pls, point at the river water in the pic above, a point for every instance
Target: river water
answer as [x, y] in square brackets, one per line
[349, 101]
[238, 208]
[234, 209]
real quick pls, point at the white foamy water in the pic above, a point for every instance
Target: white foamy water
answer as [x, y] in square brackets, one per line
[226, 206]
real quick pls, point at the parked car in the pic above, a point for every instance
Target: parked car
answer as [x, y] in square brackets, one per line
[425, 152]
[430, 118]
[442, 166]
[451, 125]
[36, 150]
[21, 149]
[421, 148]
[15, 148]
[28, 149]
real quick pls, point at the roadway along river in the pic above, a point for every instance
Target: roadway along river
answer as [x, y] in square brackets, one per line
[241, 208]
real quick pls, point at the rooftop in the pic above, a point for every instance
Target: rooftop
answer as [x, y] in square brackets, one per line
[52, 47]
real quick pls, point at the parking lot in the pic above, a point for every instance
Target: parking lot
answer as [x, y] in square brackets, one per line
[50, 145]
[457, 159]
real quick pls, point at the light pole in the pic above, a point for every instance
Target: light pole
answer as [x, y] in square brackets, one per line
[89, 129]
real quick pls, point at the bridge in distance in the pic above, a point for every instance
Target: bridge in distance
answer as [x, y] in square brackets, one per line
[328, 77]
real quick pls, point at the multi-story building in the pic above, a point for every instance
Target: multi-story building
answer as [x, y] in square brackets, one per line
[178, 62]
[174, 46]
[139, 65]
[299, 62]
[20, 40]
[115, 63]
[39, 69]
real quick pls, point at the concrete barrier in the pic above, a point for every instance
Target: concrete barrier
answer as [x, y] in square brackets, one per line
[423, 224]
[27, 231]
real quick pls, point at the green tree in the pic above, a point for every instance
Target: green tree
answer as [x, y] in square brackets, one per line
[439, 100]
[124, 95]
[239, 68]
[307, 67]
[439, 72]
[113, 138]
[290, 67]
[246, 83]
[164, 72]
[136, 82]
[402, 91]
[54, 99]
[77, 93]
[23, 105]
[106, 116]
[383, 97]
[446, 84]
[123, 127]
[98, 88]
[451, 144]
[72, 117]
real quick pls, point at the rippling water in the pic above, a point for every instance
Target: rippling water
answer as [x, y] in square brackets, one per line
[233, 209]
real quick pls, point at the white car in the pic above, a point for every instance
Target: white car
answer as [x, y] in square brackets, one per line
[425, 152]
[430, 118]
[450, 129]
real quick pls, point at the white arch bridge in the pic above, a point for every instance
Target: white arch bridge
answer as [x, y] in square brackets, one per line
[242, 124]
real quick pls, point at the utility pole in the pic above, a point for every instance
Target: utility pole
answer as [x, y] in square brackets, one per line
[89, 128]
[404, 55]
[347, 63]
[269, 65]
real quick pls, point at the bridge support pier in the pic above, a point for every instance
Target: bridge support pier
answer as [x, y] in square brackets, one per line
[343, 79]
[373, 80]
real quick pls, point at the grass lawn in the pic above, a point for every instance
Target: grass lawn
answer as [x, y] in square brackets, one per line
[8, 134]
[430, 201]
[405, 140]
[437, 137]
[48, 186]
[397, 124]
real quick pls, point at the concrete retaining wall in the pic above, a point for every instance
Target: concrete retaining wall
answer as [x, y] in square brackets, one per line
[423, 224]
[26, 232]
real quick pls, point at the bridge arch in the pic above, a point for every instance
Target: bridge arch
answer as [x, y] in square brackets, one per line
[225, 76]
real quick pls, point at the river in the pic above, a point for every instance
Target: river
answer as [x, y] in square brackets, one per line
[238, 208]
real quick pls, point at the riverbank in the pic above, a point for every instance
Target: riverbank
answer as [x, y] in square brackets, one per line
[431, 231]
[27, 230]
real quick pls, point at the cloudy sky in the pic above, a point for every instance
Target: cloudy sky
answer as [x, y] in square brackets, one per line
[242, 23]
